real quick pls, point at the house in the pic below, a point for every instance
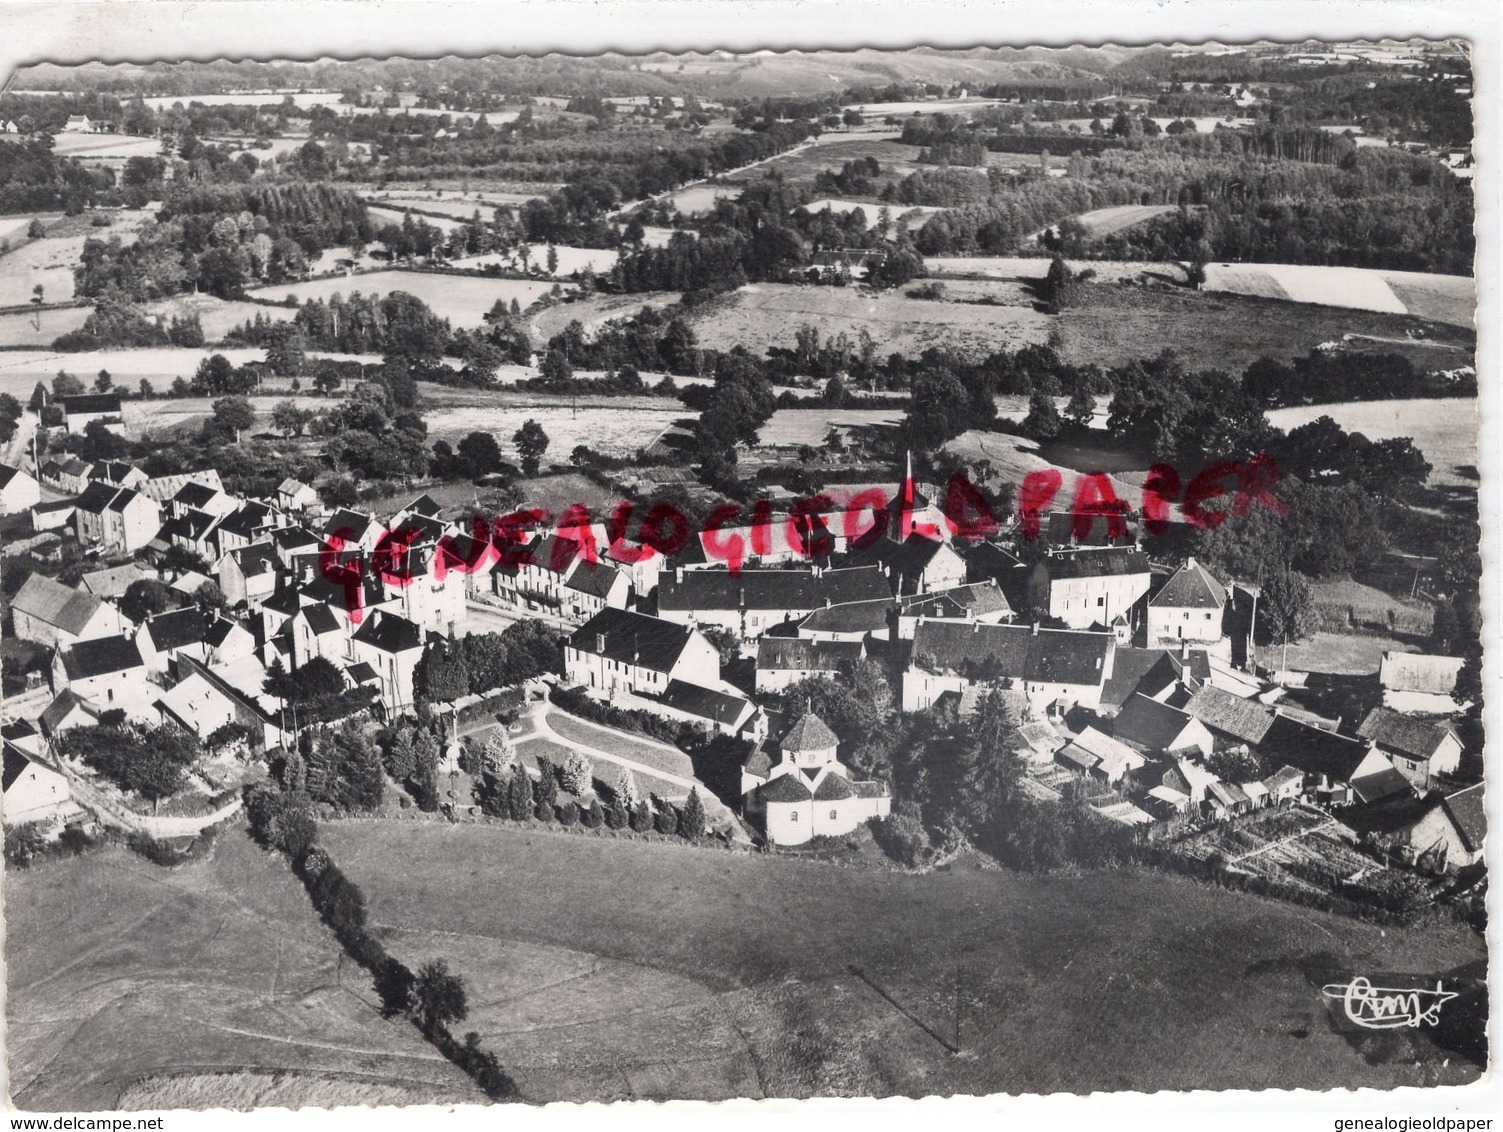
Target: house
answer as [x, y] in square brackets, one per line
[354, 530]
[68, 474]
[976, 601]
[117, 473]
[1419, 683]
[1050, 666]
[49, 613]
[1226, 799]
[102, 670]
[421, 583]
[248, 574]
[1231, 719]
[118, 519]
[753, 602]
[66, 710]
[392, 646]
[19, 491]
[1101, 756]
[853, 621]
[534, 578]
[317, 632]
[24, 734]
[197, 706]
[163, 488]
[1088, 587]
[808, 792]
[295, 495]
[79, 412]
[113, 581]
[916, 565]
[198, 496]
[247, 524]
[1149, 672]
[163, 637]
[1154, 726]
[52, 516]
[1439, 832]
[1284, 785]
[782, 661]
[1419, 750]
[1190, 779]
[715, 709]
[591, 587]
[618, 651]
[78, 124]
[1339, 769]
[1190, 606]
[34, 791]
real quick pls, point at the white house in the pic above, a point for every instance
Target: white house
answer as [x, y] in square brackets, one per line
[392, 646]
[619, 651]
[35, 792]
[1051, 667]
[753, 602]
[19, 491]
[79, 412]
[1190, 606]
[118, 519]
[1155, 726]
[1089, 588]
[782, 661]
[807, 792]
[50, 613]
[295, 495]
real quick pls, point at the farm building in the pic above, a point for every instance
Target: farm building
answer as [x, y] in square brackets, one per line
[1340, 770]
[1440, 832]
[807, 792]
[52, 516]
[79, 412]
[1419, 683]
[1154, 726]
[248, 574]
[49, 613]
[117, 473]
[70, 474]
[619, 651]
[19, 490]
[109, 672]
[35, 792]
[1418, 749]
[163, 488]
[782, 661]
[113, 581]
[1231, 719]
[1052, 667]
[917, 565]
[1154, 673]
[1087, 588]
[977, 601]
[753, 602]
[715, 709]
[1190, 606]
[295, 495]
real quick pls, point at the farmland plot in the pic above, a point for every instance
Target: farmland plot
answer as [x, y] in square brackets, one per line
[1442, 298]
[39, 330]
[94, 147]
[218, 316]
[20, 370]
[614, 425]
[1105, 221]
[462, 299]
[1445, 429]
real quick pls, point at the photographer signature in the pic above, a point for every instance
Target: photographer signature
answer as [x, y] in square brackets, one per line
[1388, 1008]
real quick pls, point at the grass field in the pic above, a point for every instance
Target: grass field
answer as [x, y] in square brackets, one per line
[39, 332]
[595, 310]
[1442, 298]
[809, 426]
[381, 216]
[615, 425]
[1105, 221]
[612, 969]
[219, 316]
[463, 300]
[50, 260]
[211, 984]
[95, 146]
[648, 753]
[20, 370]
[1445, 429]
[1338, 654]
[895, 158]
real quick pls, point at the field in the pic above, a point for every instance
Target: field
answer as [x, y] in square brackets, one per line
[381, 217]
[212, 984]
[1445, 429]
[219, 316]
[50, 261]
[27, 330]
[894, 157]
[913, 216]
[702, 197]
[1337, 654]
[15, 226]
[262, 98]
[809, 426]
[1442, 298]
[594, 310]
[455, 206]
[702, 974]
[92, 147]
[614, 425]
[462, 299]
[1105, 221]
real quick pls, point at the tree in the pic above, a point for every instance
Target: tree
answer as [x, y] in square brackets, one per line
[1042, 421]
[441, 675]
[401, 755]
[519, 795]
[577, 774]
[531, 442]
[545, 789]
[38, 296]
[625, 788]
[439, 996]
[146, 597]
[1082, 407]
[691, 824]
[65, 385]
[641, 817]
[232, 415]
[1061, 286]
[1286, 608]
[1235, 764]
[36, 229]
[290, 419]
[103, 381]
[480, 454]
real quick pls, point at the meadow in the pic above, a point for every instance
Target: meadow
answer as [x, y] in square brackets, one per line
[704, 974]
[463, 300]
[1445, 429]
[130, 985]
[617, 426]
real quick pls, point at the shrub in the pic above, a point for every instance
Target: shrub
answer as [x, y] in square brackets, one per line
[592, 816]
[543, 811]
[666, 820]
[617, 815]
[902, 837]
[545, 789]
[641, 817]
[568, 813]
[24, 843]
[691, 825]
[576, 774]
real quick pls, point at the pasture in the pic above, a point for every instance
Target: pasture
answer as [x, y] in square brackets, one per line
[789, 427]
[593, 311]
[212, 984]
[702, 197]
[462, 299]
[704, 974]
[303, 99]
[38, 330]
[457, 206]
[218, 316]
[1441, 298]
[20, 370]
[381, 216]
[617, 426]
[1105, 221]
[1445, 429]
[94, 147]
[912, 216]
[834, 150]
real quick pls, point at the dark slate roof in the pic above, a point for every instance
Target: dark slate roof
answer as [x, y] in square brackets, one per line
[946, 645]
[17, 729]
[284, 601]
[834, 787]
[111, 471]
[977, 598]
[194, 494]
[49, 600]
[1220, 710]
[96, 498]
[1096, 564]
[797, 654]
[1059, 529]
[246, 521]
[1312, 749]
[290, 538]
[7, 473]
[1149, 723]
[770, 589]
[1398, 732]
[362, 673]
[632, 638]
[320, 619]
[178, 629]
[1192, 586]
[1133, 669]
[786, 788]
[850, 617]
[92, 403]
[100, 657]
[808, 733]
[1058, 656]
[555, 553]
[219, 630]
[256, 559]
[593, 578]
[1385, 783]
[759, 762]
[58, 710]
[124, 497]
[195, 525]
[707, 703]
[906, 559]
[389, 632]
[1465, 808]
[16, 762]
[424, 504]
[353, 524]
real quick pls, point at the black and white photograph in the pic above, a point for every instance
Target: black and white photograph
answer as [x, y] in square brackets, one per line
[780, 569]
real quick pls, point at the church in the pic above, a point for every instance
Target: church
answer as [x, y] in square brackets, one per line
[808, 792]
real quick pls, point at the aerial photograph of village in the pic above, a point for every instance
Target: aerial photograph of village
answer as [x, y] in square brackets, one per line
[741, 574]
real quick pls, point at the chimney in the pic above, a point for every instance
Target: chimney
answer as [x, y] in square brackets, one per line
[975, 626]
[599, 642]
